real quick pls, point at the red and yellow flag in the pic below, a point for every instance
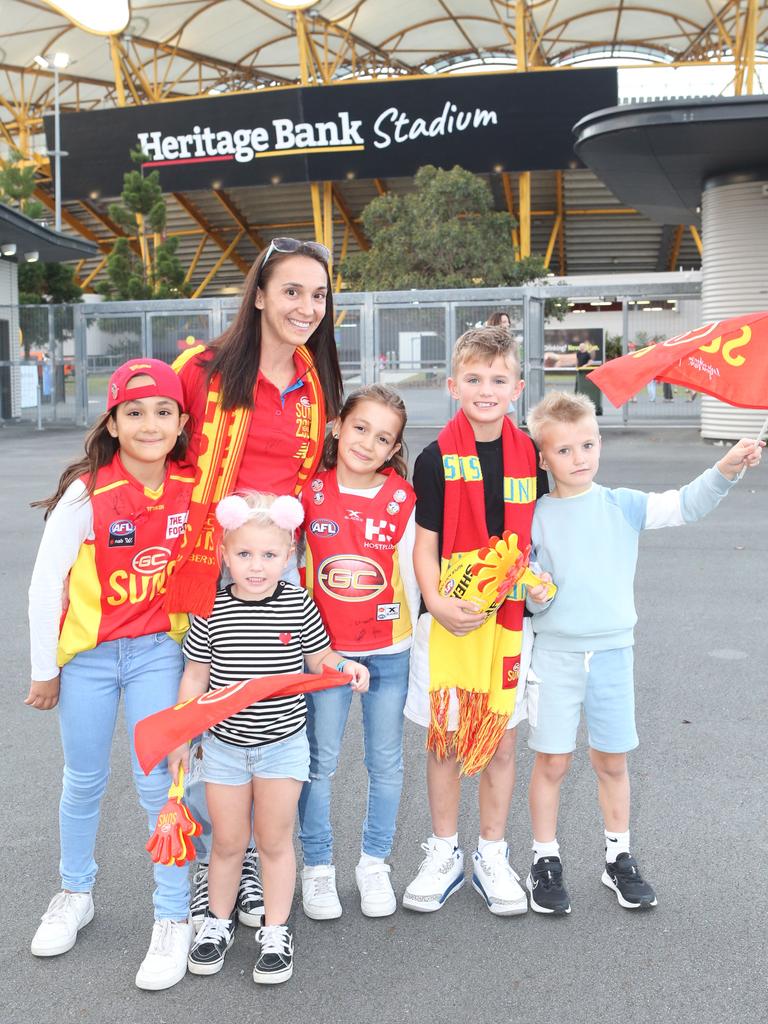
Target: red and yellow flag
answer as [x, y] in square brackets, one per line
[157, 735]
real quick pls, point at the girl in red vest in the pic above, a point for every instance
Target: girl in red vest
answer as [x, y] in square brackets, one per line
[359, 525]
[98, 630]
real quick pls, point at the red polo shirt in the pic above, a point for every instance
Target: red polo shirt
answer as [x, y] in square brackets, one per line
[279, 429]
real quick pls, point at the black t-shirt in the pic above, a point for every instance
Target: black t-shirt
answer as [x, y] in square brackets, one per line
[429, 484]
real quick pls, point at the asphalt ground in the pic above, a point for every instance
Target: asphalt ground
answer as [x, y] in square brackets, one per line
[698, 822]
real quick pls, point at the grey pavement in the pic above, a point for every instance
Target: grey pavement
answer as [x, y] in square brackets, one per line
[699, 826]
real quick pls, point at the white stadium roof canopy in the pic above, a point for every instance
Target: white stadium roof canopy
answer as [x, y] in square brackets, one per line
[175, 49]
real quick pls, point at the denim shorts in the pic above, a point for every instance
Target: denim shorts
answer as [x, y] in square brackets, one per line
[229, 765]
[561, 683]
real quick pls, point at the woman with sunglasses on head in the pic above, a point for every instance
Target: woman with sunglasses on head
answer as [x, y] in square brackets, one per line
[259, 397]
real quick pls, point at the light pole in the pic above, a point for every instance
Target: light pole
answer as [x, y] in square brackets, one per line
[57, 62]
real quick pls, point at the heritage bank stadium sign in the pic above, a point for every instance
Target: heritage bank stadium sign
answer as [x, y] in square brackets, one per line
[363, 130]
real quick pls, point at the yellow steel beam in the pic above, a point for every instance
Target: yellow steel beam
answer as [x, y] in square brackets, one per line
[117, 70]
[510, 200]
[381, 186]
[317, 210]
[195, 259]
[349, 220]
[674, 251]
[696, 238]
[560, 193]
[69, 218]
[226, 254]
[108, 223]
[213, 233]
[524, 190]
[343, 255]
[241, 221]
[97, 270]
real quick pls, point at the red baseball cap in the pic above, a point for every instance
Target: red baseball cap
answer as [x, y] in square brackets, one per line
[165, 384]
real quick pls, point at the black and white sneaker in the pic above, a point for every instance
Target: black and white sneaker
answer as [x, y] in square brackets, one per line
[198, 907]
[275, 963]
[545, 887]
[632, 891]
[250, 895]
[211, 943]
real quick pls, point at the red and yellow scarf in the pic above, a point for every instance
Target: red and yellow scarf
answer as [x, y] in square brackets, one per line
[192, 588]
[483, 666]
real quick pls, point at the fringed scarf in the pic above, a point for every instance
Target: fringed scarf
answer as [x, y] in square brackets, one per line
[192, 587]
[483, 666]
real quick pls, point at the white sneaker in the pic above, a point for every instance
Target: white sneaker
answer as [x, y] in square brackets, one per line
[318, 892]
[166, 961]
[67, 913]
[497, 883]
[441, 873]
[377, 898]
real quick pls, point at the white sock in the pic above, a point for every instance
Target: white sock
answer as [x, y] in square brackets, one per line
[453, 840]
[483, 844]
[366, 859]
[615, 843]
[551, 849]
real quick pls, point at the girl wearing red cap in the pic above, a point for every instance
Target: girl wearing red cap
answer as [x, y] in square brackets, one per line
[99, 629]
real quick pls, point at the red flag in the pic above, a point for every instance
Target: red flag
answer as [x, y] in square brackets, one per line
[157, 735]
[727, 359]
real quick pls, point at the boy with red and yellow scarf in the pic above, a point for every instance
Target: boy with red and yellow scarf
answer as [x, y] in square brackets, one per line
[479, 479]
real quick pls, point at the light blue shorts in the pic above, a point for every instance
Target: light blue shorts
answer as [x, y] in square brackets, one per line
[560, 683]
[229, 765]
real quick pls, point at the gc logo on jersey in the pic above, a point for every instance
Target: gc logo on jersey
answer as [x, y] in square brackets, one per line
[122, 534]
[324, 527]
[351, 577]
[151, 560]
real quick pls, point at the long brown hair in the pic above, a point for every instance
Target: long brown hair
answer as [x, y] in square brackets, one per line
[384, 396]
[237, 352]
[100, 449]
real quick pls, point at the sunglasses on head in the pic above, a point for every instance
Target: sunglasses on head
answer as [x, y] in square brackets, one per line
[289, 245]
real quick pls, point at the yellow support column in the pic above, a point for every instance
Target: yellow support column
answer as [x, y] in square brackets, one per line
[524, 186]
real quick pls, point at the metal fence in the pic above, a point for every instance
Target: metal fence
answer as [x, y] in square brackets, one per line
[56, 367]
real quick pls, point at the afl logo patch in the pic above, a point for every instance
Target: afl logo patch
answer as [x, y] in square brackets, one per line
[151, 560]
[400, 495]
[122, 534]
[351, 577]
[324, 527]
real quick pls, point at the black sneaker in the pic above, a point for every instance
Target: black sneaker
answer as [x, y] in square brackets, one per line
[632, 891]
[211, 943]
[198, 907]
[250, 895]
[275, 963]
[545, 887]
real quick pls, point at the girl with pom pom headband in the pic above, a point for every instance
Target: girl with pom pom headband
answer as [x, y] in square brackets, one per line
[284, 511]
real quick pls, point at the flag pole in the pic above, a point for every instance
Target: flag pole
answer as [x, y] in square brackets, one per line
[762, 430]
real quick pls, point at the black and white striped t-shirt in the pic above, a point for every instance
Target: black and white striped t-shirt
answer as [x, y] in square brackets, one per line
[243, 639]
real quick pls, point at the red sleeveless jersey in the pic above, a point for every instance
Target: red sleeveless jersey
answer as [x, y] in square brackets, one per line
[116, 586]
[353, 572]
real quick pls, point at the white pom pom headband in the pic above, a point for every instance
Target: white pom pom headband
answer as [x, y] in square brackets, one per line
[285, 512]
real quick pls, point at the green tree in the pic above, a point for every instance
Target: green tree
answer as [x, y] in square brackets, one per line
[156, 271]
[445, 234]
[17, 183]
[47, 282]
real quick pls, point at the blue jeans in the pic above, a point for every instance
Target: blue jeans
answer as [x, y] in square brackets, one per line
[147, 671]
[327, 713]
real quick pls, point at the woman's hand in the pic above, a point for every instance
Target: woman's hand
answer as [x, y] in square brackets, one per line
[540, 593]
[43, 694]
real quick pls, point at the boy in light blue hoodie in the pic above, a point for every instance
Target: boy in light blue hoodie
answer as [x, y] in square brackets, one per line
[586, 537]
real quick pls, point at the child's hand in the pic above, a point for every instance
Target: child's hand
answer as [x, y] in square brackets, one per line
[745, 454]
[457, 616]
[360, 676]
[539, 594]
[43, 694]
[179, 755]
